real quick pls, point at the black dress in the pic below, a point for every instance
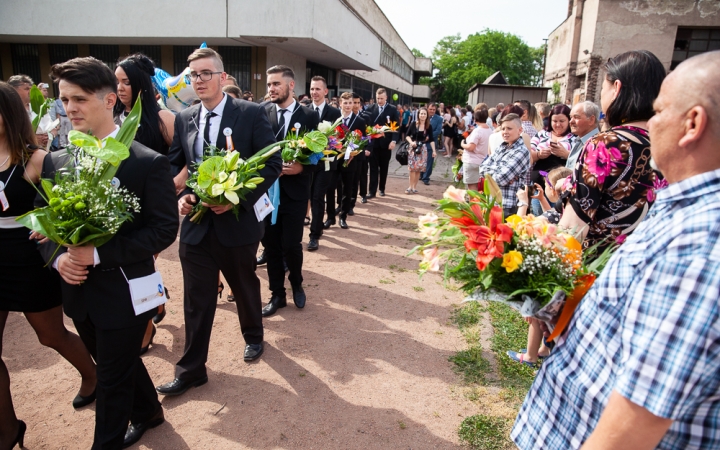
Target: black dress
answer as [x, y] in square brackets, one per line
[25, 284]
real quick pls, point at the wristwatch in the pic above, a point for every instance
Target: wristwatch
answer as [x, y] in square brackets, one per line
[522, 203]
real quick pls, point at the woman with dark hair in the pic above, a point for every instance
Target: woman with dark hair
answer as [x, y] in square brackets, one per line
[420, 137]
[156, 130]
[450, 121]
[550, 148]
[614, 183]
[27, 285]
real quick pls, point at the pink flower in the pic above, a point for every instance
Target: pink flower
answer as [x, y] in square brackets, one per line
[454, 194]
[621, 238]
[431, 259]
[600, 160]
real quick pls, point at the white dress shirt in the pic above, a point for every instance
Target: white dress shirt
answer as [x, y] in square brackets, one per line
[288, 116]
[199, 145]
[319, 108]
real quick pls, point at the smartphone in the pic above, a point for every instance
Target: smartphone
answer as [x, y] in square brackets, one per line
[532, 190]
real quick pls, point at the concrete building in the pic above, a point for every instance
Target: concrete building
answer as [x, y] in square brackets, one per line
[596, 30]
[349, 42]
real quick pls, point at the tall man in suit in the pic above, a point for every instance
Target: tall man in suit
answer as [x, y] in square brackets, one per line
[381, 113]
[363, 169]
[220, 241]
[96, 295]
[284, 237]
[326, 174]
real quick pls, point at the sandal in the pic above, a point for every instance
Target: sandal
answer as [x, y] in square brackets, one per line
[408, 191]
[415, 191]
[515, 356]
[524, 350]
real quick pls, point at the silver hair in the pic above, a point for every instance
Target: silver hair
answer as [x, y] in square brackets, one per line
[591, 110]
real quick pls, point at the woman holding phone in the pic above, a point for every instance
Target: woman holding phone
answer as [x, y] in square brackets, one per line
[550, 148]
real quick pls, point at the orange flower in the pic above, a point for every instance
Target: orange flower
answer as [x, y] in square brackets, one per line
[393, 126]
[488, 241]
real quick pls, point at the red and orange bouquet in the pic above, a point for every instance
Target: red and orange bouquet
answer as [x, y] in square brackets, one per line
[526, 262]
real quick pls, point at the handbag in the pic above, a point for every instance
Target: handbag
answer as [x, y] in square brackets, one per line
[401, 153]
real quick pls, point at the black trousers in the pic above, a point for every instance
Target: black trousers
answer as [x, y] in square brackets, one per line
[284, 239]
[125, 392]
[363, 177]
[321, 183]
[201, 264]
[379, 163]
[349, 177]
[334, 192]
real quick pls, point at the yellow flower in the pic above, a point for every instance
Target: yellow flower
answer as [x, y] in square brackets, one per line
[512, 260]
[514, 221]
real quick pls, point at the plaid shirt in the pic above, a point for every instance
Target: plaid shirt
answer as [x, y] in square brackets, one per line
[649, 329]
[508, 166]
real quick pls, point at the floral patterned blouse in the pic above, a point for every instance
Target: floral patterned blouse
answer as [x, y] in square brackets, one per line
[613, 184]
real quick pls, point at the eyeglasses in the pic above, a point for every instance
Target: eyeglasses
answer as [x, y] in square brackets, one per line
[203, 76]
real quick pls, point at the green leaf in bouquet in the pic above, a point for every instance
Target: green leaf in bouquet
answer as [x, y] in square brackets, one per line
[88, 233]
[288, 154]
[209, 171]
[491, 188]
[316, 141]
[82, 140]
[111, 151]
[231, 160]
[47, 186]
[130, 125]
[262, 155]
[37, 100]
[40, 220]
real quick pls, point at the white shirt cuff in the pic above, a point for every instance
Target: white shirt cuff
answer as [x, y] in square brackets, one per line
[96, 257]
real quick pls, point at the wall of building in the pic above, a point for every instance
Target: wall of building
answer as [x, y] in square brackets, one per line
[298, 64]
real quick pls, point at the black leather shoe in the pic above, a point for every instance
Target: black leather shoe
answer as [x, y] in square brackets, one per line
[351, 212]
[343, 224]
[337, 210]
[371, 196]
[328, 223]
[136, 430]
[382, 193]
[363, 200]
[262, 259]
[253, 352]
[299, 296]
[79, 401]
[313, 245]
[178, 386]
[276, 302]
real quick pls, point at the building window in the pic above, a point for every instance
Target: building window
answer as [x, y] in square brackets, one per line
[180, 56]
[26, 61]
[390, 60]
[693, 41]
[237, 63]
[151, 51]
[59, 53]
[108, 54]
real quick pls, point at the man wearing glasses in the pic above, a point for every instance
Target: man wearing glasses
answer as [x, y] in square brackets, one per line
[220, 241]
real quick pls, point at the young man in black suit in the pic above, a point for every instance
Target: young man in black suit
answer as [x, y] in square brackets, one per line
[362, 177]
[95, 289]
[326, 174]
[220, 241]
[381, 113]
[349, 174]
[284, 237]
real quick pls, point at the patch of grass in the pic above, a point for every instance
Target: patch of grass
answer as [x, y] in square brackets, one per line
[467, 315]
[485, 432]
[417, 241]
[471, 364]
[510, 334]
[387, 236]
[402, 425]
[393, 267]
[302, 374]
[385, 281]
[418, 289]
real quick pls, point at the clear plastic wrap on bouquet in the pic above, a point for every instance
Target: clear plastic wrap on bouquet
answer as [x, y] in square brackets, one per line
[527, 307]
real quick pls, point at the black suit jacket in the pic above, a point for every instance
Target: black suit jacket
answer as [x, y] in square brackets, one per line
[251, 132]
[105, 295]
[373, 117]
[329, 113]
[356, 122]
[294, 187]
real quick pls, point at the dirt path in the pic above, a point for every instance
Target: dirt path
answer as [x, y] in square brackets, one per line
[364, 365]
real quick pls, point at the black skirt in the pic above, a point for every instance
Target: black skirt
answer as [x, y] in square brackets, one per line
[25, 284]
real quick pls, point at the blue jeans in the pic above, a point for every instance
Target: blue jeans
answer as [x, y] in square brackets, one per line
[425, 176]
[536, 207]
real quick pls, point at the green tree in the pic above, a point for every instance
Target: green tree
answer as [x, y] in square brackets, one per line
[417, 53]
[462, 63]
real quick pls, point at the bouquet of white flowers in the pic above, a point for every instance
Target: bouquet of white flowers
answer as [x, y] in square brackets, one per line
[83, 204]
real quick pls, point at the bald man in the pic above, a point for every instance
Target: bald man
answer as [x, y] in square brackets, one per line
[653, 317]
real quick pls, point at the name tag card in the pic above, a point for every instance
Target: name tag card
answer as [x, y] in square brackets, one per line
[263, 207]
[147, 293]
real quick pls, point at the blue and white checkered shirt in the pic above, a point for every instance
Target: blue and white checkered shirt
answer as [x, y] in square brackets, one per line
[508, 165]
[648, 329]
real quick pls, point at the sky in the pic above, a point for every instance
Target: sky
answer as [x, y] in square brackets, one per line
[422, 23]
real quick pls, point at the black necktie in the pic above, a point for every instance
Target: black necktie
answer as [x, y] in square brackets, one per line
[206, 134]
[346, 121]
[281, 122]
